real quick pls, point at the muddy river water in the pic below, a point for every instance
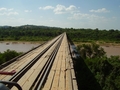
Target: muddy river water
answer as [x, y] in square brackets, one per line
[112, 50]
[17, 46]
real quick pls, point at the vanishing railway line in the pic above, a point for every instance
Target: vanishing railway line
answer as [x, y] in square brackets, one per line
[47, 67]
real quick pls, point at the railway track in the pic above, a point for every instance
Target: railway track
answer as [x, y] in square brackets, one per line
[46, 67]
[20, 62]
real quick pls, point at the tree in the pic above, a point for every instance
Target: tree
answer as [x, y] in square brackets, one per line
[91, 50]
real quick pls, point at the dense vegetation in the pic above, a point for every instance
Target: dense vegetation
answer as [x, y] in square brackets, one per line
[37, 33]
[106, 70]
[28, 33]
[7, 55]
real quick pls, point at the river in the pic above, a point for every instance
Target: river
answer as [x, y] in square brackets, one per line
[112, 50]
[26, 46]
[17, 46]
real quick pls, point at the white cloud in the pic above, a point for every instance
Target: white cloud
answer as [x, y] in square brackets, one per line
[9, 13]
[92, 20]
[3, 9]
[102, 10]
[88, 17]
[60, 9]
[71, 7]
[46, 7]
[27, 11]
[12, 13]
[6, 9]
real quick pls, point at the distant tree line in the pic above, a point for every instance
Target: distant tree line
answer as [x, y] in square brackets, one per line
[37, 33]
[88, 35]
[28, 33]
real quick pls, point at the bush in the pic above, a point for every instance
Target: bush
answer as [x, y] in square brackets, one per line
[7, 55]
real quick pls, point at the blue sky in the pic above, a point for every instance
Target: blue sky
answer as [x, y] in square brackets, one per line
[102, 14]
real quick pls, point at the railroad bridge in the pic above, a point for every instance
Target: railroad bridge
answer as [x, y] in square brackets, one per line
[48, 66]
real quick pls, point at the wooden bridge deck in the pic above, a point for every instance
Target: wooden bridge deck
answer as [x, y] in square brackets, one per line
[61, 75]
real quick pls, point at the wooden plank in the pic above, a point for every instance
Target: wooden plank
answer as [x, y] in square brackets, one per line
[30, 80]
[62, 73]
[62, 81]
[57, 73]
[49, 81]
[25, 78]
[68, 80]
[38, 67]
[75, 86]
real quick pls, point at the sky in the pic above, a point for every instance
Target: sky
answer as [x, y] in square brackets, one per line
[101, 14]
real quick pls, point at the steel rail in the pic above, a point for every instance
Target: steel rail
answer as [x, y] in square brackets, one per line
[14, 59]
[48, 69]
[19, 74]
[41, 78]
